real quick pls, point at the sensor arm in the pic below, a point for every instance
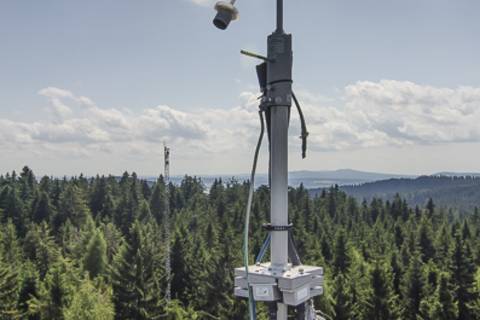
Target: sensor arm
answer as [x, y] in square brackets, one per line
[254, 55]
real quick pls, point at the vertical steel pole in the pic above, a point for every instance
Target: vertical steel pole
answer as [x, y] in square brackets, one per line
[280, 16]
[279, 185]
[279, 94]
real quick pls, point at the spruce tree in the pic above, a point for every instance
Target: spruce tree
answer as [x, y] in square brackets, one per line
[126, 212]
[39, 247]
[90, 303]
[9, 244]
[158, 200]
[425, 241]
[413, 286]
[27, 183]
[108, 207]
[113, 238]
[29, 288]
[443, 307]
[13, 209]
[341, 255]
[8, 291]
[325, 248]
[98, 195]
[380, 302]
[466, 233]
[221, 279]
[73, 206]
[95, 259]
[396, 273]
[53, 295]
[463, 278]
[430, 208]
[179, 263]
[443, 245]
[342, 304]
[42, 208]
[144, 214]
[136, 277]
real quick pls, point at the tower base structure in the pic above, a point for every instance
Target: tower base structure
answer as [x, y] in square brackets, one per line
[293, 286]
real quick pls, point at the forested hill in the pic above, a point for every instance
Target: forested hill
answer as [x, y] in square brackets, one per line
[94, 249]
[462, 193]
[309, 179]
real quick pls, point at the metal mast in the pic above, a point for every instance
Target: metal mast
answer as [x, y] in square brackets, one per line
[279, 79]
[168, 266]
[279, 283]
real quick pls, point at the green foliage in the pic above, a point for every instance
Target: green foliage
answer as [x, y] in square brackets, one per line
[380, 303]
[73, 206]
[53, 295]
[42, 209]
[95, 259]
[9, 244]
[443, 306]
[342, 305]
[90, 303]
[413, 289]
[29, 288]
[175, 311]
[40, 248]
[13, 207]
[8, 291]
[94, 248]
[136, 276]
[157, 202]
[341, 258]
[463, 278]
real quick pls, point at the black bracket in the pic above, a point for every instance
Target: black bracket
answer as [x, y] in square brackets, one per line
[269, 227]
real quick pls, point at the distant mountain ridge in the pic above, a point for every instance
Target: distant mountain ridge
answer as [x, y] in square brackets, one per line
[310, 179]
[457, 192]
[457, 174]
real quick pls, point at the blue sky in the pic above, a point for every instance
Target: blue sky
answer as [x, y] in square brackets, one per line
[97, 85]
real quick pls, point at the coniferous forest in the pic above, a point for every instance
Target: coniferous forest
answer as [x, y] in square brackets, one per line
[94, 248]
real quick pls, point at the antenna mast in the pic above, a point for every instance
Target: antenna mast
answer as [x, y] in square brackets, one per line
[284, 281]
[168, 266]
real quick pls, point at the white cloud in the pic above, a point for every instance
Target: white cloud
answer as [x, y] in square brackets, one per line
[88, 127]
[393, 113]
[371, 114]
[203, 2]
[410, 113]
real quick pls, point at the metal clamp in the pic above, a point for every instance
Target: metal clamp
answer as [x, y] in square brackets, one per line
[269, 227]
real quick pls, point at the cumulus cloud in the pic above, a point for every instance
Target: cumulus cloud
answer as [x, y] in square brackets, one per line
[368, 114]
[410, 113]
[77, 123]
[393, 113]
